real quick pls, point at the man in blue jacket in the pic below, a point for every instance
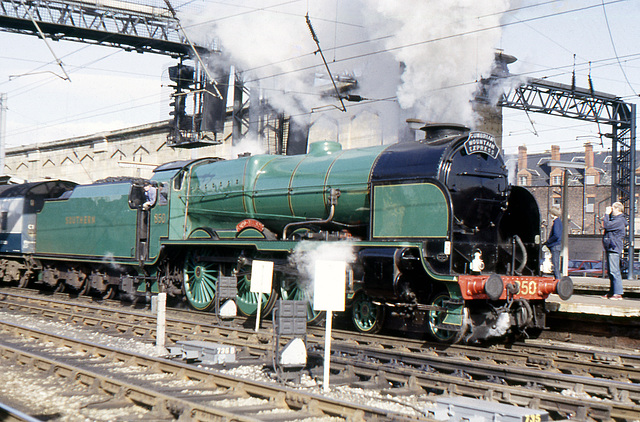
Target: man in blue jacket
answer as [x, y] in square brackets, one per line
[614, 224]
[150, 195]
[554, 242]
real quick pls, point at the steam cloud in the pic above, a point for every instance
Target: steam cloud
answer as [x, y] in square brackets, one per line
[248, 145]
[307, 253]
[425, 56]
[109, 259]
[445, 46]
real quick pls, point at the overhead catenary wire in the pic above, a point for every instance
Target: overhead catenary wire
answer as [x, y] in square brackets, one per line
[72, 68]
[39, 84]
[389, 98]
[420, 43]
[462, 34]
[615, 51]
[104, 111]
[316, 94]
[532, 18]
[44, 38]
[425, 41]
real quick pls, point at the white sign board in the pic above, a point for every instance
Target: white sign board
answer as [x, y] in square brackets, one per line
[161, 323]
[261, 276]
[329, 287]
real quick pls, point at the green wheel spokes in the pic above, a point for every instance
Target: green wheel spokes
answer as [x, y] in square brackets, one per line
[296, 292]
[200, 283]
[436, 318]
[366, 315]
[247, 301]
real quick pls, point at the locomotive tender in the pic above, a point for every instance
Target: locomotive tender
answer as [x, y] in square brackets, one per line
[442, 242]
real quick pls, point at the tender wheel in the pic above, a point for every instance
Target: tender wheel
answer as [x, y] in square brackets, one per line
[25, 279]
[437, 317]
[291, 290]
[200, 282]
[109, 293]
[367, 317]
[247, 301]
[86, 287]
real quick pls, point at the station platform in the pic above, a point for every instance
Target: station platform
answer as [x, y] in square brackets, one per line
[587, 299]
[593, 285]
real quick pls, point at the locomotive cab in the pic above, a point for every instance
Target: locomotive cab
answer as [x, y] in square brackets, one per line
[136, 196]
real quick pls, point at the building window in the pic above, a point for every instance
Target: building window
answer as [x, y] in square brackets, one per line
[556, 180]
[591, 204]
[591, 180]
[523, 181]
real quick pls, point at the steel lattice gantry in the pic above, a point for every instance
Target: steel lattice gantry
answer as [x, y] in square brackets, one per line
[113, 23]
[561, 100]
[126, 25]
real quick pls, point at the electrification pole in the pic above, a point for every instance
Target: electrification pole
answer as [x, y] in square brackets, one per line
[3, 111]
[564, 166]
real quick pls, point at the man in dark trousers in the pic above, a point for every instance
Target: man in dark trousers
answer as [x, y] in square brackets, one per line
[614, 224]
[554, 242]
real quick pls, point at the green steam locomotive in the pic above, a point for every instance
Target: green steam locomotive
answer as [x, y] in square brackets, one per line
[436, 238]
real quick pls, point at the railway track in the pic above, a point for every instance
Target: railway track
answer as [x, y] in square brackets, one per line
[169, 390]
[10, 414]
[566, 381]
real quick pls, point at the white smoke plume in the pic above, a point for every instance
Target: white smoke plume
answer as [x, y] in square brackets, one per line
[249, 145]
[425, 56]
[445, 46]
[109, 259]
[307, 253]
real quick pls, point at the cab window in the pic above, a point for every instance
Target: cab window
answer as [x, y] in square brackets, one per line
[179, 180]
[163, 194]
[136, 197]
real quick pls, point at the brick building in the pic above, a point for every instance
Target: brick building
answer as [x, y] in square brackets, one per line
[587, 195]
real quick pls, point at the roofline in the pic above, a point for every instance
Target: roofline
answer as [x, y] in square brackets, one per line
[156, 127]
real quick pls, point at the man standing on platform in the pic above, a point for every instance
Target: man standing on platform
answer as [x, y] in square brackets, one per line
[614, 224]
[554, 242]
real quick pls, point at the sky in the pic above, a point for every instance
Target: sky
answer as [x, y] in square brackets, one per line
[412, 59]
[597, 39]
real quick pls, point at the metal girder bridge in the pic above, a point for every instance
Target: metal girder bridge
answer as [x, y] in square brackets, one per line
[112, 23]
[132, 27]
[561, 100]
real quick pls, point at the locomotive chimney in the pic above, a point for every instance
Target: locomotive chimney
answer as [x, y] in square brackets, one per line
[441, 132]
[522, 157]
[414, 126]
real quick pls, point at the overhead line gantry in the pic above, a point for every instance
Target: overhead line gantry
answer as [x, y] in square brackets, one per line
[114, 23]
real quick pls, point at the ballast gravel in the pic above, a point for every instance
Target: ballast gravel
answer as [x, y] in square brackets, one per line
[49, 399]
